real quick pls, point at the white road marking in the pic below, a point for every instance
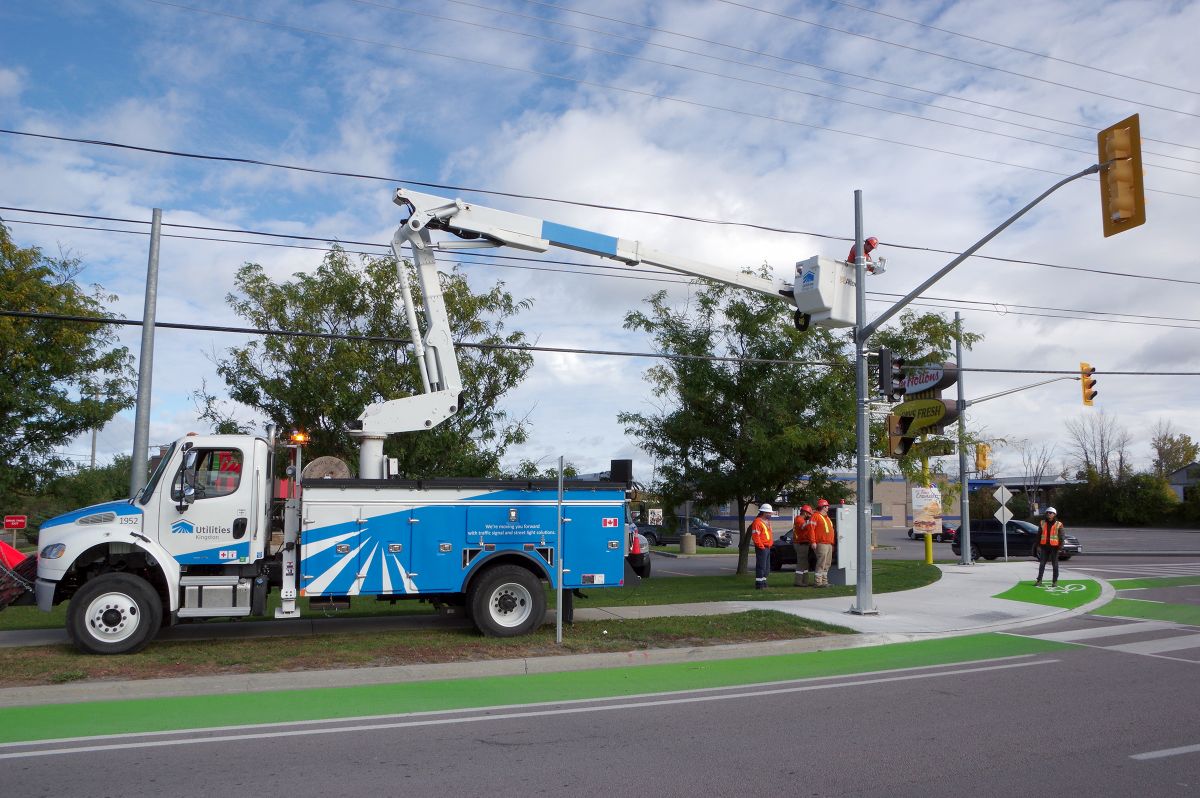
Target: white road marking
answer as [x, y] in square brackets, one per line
[1186, 749]
[1177, 643]
[575, 710]
[1106, 631]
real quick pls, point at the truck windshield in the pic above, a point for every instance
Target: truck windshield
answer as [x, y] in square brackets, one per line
[146, 492]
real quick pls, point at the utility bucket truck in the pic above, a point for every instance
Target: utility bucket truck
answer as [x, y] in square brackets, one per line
[208, 537]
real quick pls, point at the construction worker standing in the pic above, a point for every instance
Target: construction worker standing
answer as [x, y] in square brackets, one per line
[1048, 545]
[823, 538]
[802, 529]
[761, 537]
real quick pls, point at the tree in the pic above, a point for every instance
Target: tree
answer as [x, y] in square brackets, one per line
[60, 378]
[741, 430]
[321, 385]
[67, 491]
[1099, 444]
[1172, 451]
[1035, 462]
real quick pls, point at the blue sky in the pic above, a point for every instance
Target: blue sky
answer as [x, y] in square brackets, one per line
[356, 86]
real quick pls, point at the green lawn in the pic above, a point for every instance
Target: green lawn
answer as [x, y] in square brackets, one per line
[889, 576]
[673, 548]
[1155, 581]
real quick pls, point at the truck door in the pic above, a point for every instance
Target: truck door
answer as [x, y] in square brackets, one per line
[215, 529]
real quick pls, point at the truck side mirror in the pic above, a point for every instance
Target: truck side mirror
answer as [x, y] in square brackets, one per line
[184, 489]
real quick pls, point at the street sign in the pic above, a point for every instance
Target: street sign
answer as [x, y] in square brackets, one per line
[939, 447]
[1002, 494]
[15, 521]
[1004, 515]
[927, 413]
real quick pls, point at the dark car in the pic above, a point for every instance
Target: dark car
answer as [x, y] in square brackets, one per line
[783, 552]
[988, 543]
[706, 535]
[947, 533]
[639, 552]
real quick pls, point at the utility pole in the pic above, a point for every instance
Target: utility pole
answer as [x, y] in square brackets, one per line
[141, 424]
[964, 527]
[864, 602]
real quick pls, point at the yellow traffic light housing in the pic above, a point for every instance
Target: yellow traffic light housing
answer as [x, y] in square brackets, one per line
[1087, 383]
[983, 457]
[1122, 197]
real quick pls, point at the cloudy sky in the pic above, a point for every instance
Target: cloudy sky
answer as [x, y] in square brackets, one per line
[947, 115]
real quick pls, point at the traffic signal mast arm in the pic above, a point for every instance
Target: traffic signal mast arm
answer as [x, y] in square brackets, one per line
[971, 402]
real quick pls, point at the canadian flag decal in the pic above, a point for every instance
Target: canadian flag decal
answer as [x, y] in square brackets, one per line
[611, 522]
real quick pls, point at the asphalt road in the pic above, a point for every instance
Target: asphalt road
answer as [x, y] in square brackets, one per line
[1077, 721]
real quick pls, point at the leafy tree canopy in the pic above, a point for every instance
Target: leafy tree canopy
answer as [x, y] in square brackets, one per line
[321, 385]
[60, 379]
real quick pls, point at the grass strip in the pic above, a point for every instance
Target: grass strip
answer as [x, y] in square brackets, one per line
[1027, 592]
[888, 576]
[1128, 608]
[34, 665]
[1155, 581]
[160, 714]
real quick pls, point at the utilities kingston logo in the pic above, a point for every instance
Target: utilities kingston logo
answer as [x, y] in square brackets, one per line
[183, 527]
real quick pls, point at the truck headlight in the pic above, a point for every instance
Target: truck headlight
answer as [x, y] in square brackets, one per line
[53, 551]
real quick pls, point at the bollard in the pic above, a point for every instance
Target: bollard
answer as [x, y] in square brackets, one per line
[929, 548]
[687, 543]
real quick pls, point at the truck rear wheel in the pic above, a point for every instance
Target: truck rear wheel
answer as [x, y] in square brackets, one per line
[114, 614]
[507, 601]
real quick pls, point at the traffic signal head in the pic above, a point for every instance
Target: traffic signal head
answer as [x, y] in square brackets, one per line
[1122, 198]
[983, 457]
[1087, 383]
[891, 375]
[899, 442]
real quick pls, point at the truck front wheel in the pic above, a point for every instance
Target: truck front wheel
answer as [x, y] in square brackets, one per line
[507, 601]
[114, 614]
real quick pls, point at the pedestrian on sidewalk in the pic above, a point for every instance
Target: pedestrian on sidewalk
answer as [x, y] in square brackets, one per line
[806, 553]
[823, 538]
[1048, 545]
[761, 537]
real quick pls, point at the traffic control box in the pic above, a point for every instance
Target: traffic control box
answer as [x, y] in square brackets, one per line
[825, 290]
[844, 570]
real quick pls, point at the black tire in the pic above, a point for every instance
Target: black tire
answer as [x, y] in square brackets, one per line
[974, 552]
[911, 534]
[114, 614]
[709, 541]
[644, 571]
[990, 557]
[651, 538]
[507, 601]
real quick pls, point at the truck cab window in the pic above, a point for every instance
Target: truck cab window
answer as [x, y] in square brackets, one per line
[218, 473]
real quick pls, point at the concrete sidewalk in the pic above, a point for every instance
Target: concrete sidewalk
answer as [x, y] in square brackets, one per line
[961, 602]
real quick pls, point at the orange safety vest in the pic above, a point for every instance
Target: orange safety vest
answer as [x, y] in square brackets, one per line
[760, 533]
[1050, 536]
[802, 530]
[823, 530]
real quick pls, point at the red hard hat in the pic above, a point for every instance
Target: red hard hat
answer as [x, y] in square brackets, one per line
[806, 508]
[872, 242]
[822, 503]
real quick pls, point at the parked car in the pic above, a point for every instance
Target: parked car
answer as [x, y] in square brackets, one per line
[987, 542]
[706, 534]
[947, 533]
[783, 552]
[639, 552]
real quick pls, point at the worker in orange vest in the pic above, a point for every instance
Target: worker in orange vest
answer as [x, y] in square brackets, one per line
[1048, 545]
[806, 553]
[761, 537]
[823, 538]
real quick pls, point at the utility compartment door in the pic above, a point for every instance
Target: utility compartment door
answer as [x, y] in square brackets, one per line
[438, 541]
[593, 545]
[329, 549]
[385, 553]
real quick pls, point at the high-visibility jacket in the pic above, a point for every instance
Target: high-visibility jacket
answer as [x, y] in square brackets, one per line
[802, 529]
[823, 529]
[1052, 535]
[760, 533]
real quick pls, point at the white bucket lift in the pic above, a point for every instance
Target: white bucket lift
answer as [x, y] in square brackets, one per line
[824, 291]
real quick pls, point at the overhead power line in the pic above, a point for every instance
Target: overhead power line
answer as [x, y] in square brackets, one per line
[761, 84]
[609, 87]
[1035, 53]
[991, 306]
[22, 314]
[798, 62]
[1047, 81]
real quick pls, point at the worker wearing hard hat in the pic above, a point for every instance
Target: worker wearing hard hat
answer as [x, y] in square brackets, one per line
[823, 537]
[1049, 542]
[868, 246]
[806, 555]
[761, 537]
